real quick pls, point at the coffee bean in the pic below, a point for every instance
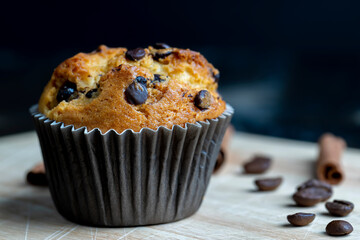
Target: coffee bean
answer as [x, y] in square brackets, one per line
[203, 99]
[161, 46]
[315, 183]
[339, 228]
[268, 184]
[301, 219]
[136, 93]
[312, 192]
[36, 179]
[36, 176]
[159, 55]
[91, 93]
[219, 161]
[67, 92]
[135, 54]
[257, 164]
[339, 207]
[311, 196]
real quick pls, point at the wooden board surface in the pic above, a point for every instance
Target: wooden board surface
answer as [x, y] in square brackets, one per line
[232, 209]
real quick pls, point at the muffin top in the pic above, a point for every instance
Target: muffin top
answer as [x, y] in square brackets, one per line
[116, 88]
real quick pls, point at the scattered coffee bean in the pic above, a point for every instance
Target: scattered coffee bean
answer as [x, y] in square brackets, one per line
[301, 219]
[339, 207]
[67, 92]
[311, 196]
[161, 46]
[135, 54]
[315, 183]
[136, 93]
[219, 161]
[312, 192]
[257, 164]
[37, 179]
[91, 93]
[36, 176]
[159, 56]
[268, 184]
[203, 99]
[338, 228]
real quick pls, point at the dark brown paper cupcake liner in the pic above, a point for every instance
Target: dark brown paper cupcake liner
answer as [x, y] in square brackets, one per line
[131, 178]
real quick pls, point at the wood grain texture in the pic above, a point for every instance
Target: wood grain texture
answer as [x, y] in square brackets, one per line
[232, 208]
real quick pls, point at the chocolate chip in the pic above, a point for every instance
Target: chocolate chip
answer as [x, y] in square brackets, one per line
[339, 207]
[268, 184]
[135, 54]
[301, 219]
[36, 176]
[136, 93]
[159, 55]
[203, 99]
[311, 193]
[219, 161]
[339, 228]
[91, 93]
[157, 78]
[216, 77]
[141, 80]
[117, 69]
[257, 164]
[67, 92]
[161, 46]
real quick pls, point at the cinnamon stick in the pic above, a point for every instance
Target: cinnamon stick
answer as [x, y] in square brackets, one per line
[329, 167]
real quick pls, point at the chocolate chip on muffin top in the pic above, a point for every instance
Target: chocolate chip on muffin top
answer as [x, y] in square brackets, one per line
[161, 46]
[136, 93]
[135, 54]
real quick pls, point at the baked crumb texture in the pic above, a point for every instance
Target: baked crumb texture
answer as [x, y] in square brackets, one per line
[116, 88]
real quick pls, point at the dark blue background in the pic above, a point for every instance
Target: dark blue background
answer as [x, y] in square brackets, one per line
[290, 68]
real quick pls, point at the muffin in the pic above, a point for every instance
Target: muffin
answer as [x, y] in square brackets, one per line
[131, 137]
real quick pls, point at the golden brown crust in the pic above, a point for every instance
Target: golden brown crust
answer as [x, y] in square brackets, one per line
[169, 101]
